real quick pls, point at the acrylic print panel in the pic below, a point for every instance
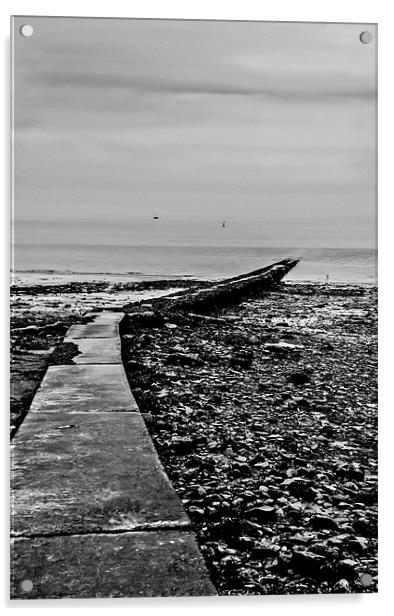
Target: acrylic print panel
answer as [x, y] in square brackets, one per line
[194, 391]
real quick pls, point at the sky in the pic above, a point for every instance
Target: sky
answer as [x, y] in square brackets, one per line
[129, 118]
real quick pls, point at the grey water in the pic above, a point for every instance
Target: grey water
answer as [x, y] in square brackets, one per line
[146, 248]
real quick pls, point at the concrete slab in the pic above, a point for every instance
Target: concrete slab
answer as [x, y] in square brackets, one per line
[107, 316]
[88, 472]
[97, 329]
[97, 351]
[155, 564]
[87, 388]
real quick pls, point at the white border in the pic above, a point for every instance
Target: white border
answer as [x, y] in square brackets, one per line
[373, 11]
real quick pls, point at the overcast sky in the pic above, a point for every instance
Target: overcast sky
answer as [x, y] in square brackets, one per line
[122, 118]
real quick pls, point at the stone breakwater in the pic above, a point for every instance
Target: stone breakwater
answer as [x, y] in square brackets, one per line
[228, 291]
[264, 415]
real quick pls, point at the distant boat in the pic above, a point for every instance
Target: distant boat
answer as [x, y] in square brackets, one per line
[223, 224]
[155, 218]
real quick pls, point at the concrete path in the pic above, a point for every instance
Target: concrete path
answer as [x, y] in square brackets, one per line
[93, 512]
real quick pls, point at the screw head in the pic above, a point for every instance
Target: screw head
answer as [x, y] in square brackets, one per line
[26, 30]
[365, 37]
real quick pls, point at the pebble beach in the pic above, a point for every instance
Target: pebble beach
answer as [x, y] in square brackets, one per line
[264, 415]
[265, 419]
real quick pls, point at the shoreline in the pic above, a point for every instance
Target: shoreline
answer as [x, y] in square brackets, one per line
[61, 305]
[270, 446]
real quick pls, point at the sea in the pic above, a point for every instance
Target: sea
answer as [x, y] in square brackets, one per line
[45, 252]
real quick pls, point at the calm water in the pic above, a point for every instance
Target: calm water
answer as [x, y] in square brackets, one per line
[172, 248]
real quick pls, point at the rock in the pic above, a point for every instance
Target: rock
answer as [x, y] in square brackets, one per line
[364, 528]
[242, 359]
[298, 486]
[201, 491]
[300, 539]
[262, 514]
[134, 366]
[184, 359]
[347, 569]
[299, 378]
[350, 472]
[342, 587]
[242, 467]
[368, 497]
[264, 549]
[327, 430]
[294, 513]
[182, 445]
[145, 340]
[319, 522]
[358, 544]
[307, 563]
[147, 318]
[282, 349]
[231, 561]
[196, 512]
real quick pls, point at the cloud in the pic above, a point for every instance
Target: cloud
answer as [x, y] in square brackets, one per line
[116, 116]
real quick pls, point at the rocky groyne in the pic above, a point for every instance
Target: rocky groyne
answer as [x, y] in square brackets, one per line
[225, 293]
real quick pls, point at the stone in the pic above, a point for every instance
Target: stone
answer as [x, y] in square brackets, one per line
[347, 569]
[300, 539]
[102, 475]
[145, 318]
[182, 445]
[341, 587]
[364, 528]
[299, 378]
[282, 349]
[264, 549]
[298, 486]
[242, 359]
[262, 514]
[184, 359]
[196, 512]
[307, 563]
[319, 522]
[350, 472]
[358, 544]
[137, 564]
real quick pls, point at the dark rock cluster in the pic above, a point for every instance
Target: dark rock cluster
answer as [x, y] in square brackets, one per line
[265, 419]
